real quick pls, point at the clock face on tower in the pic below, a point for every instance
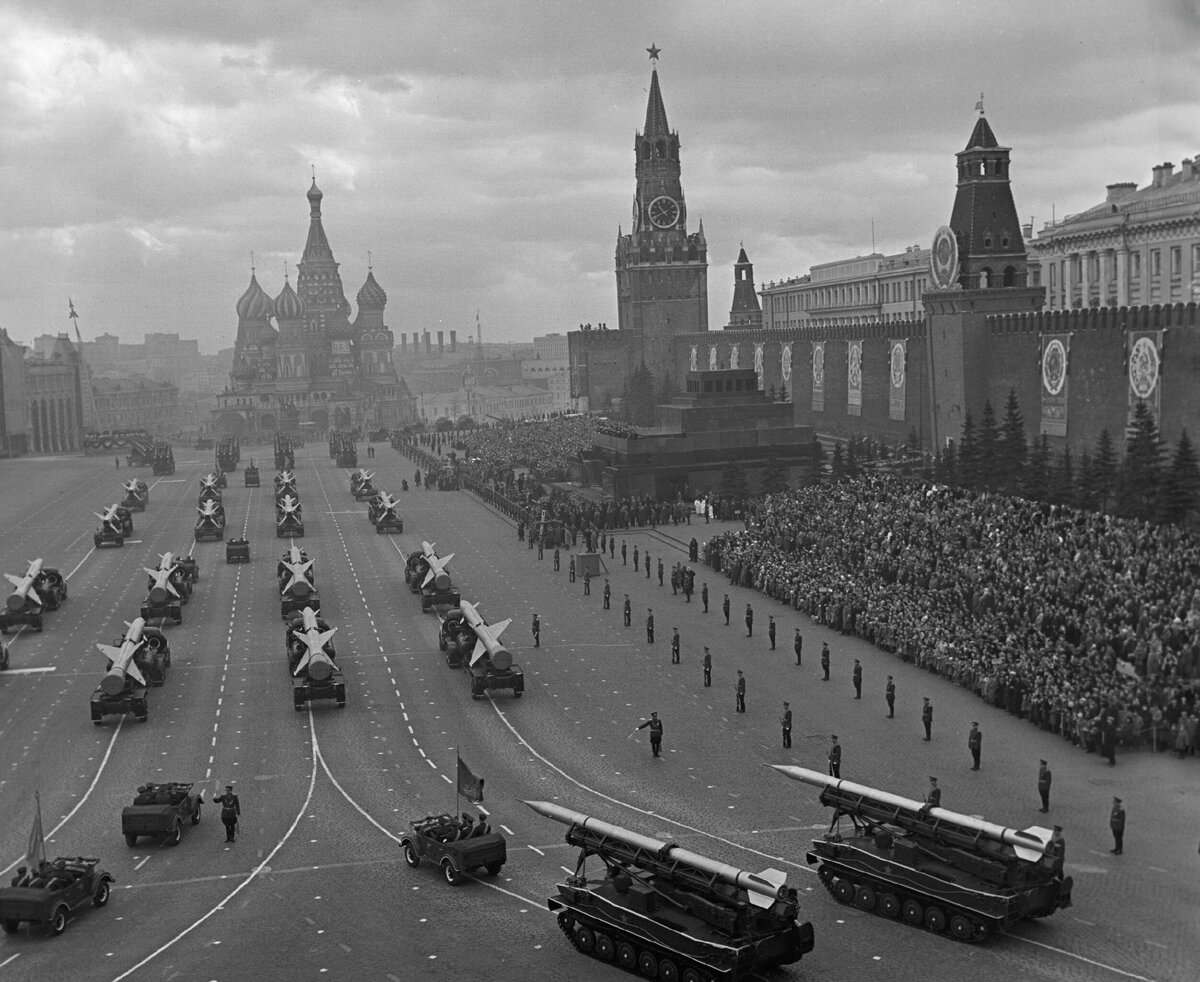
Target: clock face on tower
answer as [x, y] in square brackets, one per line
[664, 211]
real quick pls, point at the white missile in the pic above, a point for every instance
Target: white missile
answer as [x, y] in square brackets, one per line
[110, 517]
[160, 584]
[763, 889]
[210, 509]
[437, 567]
[319, 664]
[23, 586]
[131, 486]
[208, 482]
[300, 584]
[122, 658]
[487, 637]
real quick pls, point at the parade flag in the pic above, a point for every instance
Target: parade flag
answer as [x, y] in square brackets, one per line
[897, 364]
[36, 853]
[818, 376]
[854, 378]
[1056, 364]
[469, 786]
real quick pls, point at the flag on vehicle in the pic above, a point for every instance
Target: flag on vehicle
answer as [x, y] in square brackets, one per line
[469, 786]
[36, 853]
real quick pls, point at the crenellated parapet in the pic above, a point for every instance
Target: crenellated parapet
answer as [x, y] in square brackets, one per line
[1099, 319]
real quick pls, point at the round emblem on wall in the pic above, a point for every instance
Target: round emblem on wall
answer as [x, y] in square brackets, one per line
[785, 362]
[712, 358]
[897, 365]
[854, 374]
[818, 365]
[943, 259]
[1054, 367]
[1143, 367]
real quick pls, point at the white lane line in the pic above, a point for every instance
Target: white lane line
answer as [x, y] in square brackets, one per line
[144, 861]
[1088, 961]
[312, 783]
[80, 563]
[535, 849]
[9, 959]
[30, 671]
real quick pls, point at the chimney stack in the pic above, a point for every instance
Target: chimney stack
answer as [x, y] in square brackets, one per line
[403, 345]
[428, 344]
[1186, 171]
[1120, 190]
[416, 343]
[453, 341]
[441, 342]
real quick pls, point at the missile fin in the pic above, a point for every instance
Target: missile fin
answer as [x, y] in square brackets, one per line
[775, 878]
[447, 559]
[480, 648]
[14, 580]
[498, 629]
[134, 672]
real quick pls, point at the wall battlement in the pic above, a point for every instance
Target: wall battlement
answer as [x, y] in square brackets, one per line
[1102, 319]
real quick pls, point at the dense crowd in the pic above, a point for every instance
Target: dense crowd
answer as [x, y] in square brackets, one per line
[1075, 620]
[548, 447]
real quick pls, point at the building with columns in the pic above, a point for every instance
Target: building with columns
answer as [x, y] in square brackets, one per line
[1138, 247]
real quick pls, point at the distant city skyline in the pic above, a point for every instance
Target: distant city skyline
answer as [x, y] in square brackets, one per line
[483, 154]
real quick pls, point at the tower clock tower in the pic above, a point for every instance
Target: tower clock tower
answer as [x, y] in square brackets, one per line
[662, 271]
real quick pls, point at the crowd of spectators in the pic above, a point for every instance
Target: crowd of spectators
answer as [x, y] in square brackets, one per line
[548, 447]
[1075, 620]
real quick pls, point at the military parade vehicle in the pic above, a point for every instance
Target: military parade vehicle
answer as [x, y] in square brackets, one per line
[297, 583]
[489, 664]
[137, 495]
[362, 485]
[381, 511]
[250, 476]
[133, 663]
[455, 845]
[668, 913]
[237, 551]
[49, 894]
[141, 452]
[164, 460]
[204, 442]
[285, 483]
[285, 454]
[426, 573]
[42, 588]
[116, 525]
[229, 454]
[289, 519]
[312, 661]
[210, 487]
[168, 590]
[210, 521]
[161, 811]
[931, 867]
[189, 569]
[455, 637]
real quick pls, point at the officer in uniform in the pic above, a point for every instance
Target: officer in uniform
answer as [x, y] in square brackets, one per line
[741, 692]
[624, 554]
[707, 669]
[541, 548]
[648, 566]
[975, 743]
[537, 630]
[933, 797]
[587, 582]
[660, 571]
[628, 612]
[771, 629]
[927, 718]
[571, 571]
[676, 580]
[675, 646]
[656, 730]
[1116, 822]
[825, 659]
[704, 595]
[607, 595]
[649, 625]
[857, 679]
[231, 808]
[557, 560]
[725, 609]
[835, 757]
[889, 693]
[786, 722]
[749, 621]
[612, 547]
[635, 558]
[1044, 779]
[798, 646]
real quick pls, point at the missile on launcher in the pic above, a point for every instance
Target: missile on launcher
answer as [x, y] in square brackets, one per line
[313, 661]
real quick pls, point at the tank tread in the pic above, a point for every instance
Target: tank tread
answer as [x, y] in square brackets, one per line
[911, 908]
[569, 922]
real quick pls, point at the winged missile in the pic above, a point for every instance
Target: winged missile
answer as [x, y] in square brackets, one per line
[23, 586]
[209, 509]
[487, 637]
[437, 567]
[110, 517]
[208, 482]
[318, 663]
[122, 658]
[300, 584]
[132, 486]
[287, 507]
[160, 584]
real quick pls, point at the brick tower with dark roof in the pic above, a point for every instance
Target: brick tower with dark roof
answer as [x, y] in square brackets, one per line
[745, 312]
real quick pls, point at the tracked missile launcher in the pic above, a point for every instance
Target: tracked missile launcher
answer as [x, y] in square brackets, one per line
[289, 517]
[362, 485]
[668, 913]
[931, 867]
[163, 461]
[228, 454]
[250, 476]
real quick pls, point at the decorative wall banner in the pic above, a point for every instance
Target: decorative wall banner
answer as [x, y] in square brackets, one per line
[712, 358]
[758, 365]
[898, 377]
[818, 376]
[1145, 370]
[854, 378]
[734, 357]
[785, 363]
[692, 362]
[1056, 354]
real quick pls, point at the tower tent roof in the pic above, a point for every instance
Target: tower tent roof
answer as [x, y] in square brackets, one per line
[982, 137]
[656, 112]
[317, 247]
[743, 259]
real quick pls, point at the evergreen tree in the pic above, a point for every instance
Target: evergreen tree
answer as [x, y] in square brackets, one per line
[1035, 483]
[852, 468]
[1104, 474]
[968, 454]
[773, 478]
[988, 460]
[1141, 471]
[784, 396]
[914, 442]
[1012, 450]
[837, 464]
[1180, 496]
[733, 481]
[1062, 487]
[1084, 496]
[816, 463]
[639, 406]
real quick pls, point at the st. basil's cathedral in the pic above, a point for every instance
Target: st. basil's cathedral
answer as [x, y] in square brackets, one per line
[315, 368]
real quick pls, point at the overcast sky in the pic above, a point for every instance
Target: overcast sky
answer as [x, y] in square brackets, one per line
[483, 152]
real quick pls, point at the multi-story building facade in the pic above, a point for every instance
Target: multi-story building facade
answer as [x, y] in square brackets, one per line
[136, 403]
[1138, 247]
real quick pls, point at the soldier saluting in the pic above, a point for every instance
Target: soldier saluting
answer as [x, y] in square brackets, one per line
[231, 808]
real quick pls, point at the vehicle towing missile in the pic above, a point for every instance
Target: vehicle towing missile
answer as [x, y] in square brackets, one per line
[437, 574]
[122, 658]
[23, 587]
[319, 665]
[487, 637]
[161, 587]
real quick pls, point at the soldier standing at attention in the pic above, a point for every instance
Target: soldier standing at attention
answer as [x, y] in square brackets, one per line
[656, 730]
[660, 571]
[628, 612]
[975, 743]
[1116, 822]
[557, 560]
[786, 722]
[675, 646]
[741, 692]
[231, 809]
[704, 595]
[857, 679]
[607, 595]
[707, 669]
[624, 554]
[649, 625]
[603, 543]
[927, 718]
[541, 548]
[571, 571]
[889, 694]
[771, 629]
[635, 558]
[825, 659]
[536, 628]
[587, 582]
[725, 609]
[749, 621]
[648, 565]
[1044, 779]
[798, 645]
[835, 757]
[612, 547]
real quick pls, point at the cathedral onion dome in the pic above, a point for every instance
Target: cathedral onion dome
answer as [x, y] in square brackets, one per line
[288, 305]
[371, 295]
[314, 194]
[254, 304]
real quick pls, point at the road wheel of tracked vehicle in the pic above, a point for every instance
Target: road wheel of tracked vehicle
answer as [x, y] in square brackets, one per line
[843, 889]
[10, 926]
[585, 939]
[935, 919]
[864, 897]
[648, 964]
[668, 971]
[912, 912]
[131, 839]
[605, 949]
[626, 956]
[410, 855]
[825, 874]
[100, 897]
[493, 869]
[889, 906]
[451, 873]
[961, 928]
[175, 836]
[196, 814]
[691, 975]
[58, 920]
